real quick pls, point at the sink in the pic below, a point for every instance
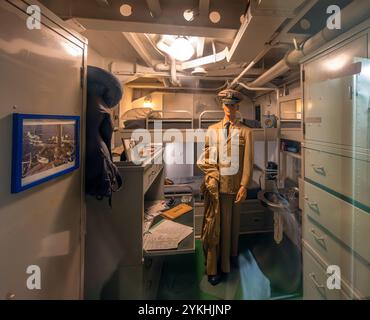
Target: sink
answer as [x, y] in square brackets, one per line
[276, 201]
[282, 203]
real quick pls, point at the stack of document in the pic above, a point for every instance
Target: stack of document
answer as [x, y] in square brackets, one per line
[166, 235]
[154, 208]
[151, 210]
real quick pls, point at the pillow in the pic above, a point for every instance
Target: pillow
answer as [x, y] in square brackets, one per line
[141, 113]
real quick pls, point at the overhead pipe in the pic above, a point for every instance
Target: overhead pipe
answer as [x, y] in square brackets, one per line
[356, 12]
[174, 80]
[246, 86]
[163, 67]
[250, 66]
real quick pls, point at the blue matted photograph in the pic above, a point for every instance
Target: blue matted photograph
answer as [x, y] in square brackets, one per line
[44, 147]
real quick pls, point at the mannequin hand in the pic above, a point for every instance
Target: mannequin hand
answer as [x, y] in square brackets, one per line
[242, 193]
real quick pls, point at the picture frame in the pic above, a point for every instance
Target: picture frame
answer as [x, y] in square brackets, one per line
[44, 147]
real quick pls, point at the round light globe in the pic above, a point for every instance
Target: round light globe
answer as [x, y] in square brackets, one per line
[181, 49]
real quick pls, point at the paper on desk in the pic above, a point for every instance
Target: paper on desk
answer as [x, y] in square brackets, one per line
[154, 208]
[147, 225]
[159, 241]
[172, 228]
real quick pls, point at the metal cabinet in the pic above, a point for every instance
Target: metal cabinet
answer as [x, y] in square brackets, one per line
[315, 278]
[335, 99]
[345, 222]
[41, 73]
[336, 168]
[346, 173]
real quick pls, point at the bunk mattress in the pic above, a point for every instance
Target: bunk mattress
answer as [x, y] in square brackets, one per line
[167, 123]
[181, 186]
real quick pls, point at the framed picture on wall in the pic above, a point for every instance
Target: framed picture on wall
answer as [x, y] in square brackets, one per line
[44, 147]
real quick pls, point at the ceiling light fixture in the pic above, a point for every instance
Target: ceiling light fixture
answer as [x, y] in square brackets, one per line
[215, 17]
[189, 15]
[126, 10]
[181, 49]
[305, 24]
[148, 102]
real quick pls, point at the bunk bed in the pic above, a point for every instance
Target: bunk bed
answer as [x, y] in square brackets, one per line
[145, 118]
[254, 217]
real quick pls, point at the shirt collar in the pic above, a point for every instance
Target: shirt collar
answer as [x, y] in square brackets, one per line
[224, 121]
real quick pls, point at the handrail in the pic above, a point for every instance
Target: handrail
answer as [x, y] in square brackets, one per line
[171, 111]
[215, 111]
[180, 185]
[147, 118]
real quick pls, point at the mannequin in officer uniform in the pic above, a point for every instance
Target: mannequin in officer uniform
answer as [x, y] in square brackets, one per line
[222, 220]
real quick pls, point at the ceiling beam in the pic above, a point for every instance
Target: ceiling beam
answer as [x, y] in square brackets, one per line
[204, 8]
[103, 3]
[139, 47]
[156, 28]
[154, 8]
[160, 75]
[298, 16]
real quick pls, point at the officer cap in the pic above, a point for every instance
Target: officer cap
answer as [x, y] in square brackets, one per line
[229, 96]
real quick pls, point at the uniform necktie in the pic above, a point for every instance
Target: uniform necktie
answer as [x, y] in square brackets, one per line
[227, 126]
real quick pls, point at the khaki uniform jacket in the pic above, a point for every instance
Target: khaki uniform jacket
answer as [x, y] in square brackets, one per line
[229, 183]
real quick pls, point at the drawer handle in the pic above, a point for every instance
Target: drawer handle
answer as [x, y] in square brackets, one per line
[319, 170]
[313, 205]
[313, 278]
[316, 236]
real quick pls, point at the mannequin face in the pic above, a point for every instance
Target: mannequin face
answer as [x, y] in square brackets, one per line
[231, 110]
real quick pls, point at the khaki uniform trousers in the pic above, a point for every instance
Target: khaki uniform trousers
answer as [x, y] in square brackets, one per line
[229, 235]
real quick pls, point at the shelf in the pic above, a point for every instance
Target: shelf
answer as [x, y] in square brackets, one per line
[185, 246]
[290, 120]
[292, 154]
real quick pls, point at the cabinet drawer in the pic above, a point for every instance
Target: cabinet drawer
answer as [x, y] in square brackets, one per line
[256, 221]
[315, 278]
[345, 175]
[150, 174]
[336, 101]
[354, 269]
[152, 269]
[348, 223]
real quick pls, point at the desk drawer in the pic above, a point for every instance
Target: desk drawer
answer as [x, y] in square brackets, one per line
[150, 174]
[354, 269]
[315, 278]
[259, 221]
[152, 269]
[348, 223]
[253, 217]
[345, 175]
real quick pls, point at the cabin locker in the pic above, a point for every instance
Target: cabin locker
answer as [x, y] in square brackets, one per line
[336, 216]
[42, 226]
[337, 96]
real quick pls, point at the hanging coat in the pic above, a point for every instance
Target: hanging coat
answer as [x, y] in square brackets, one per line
[104, 91]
